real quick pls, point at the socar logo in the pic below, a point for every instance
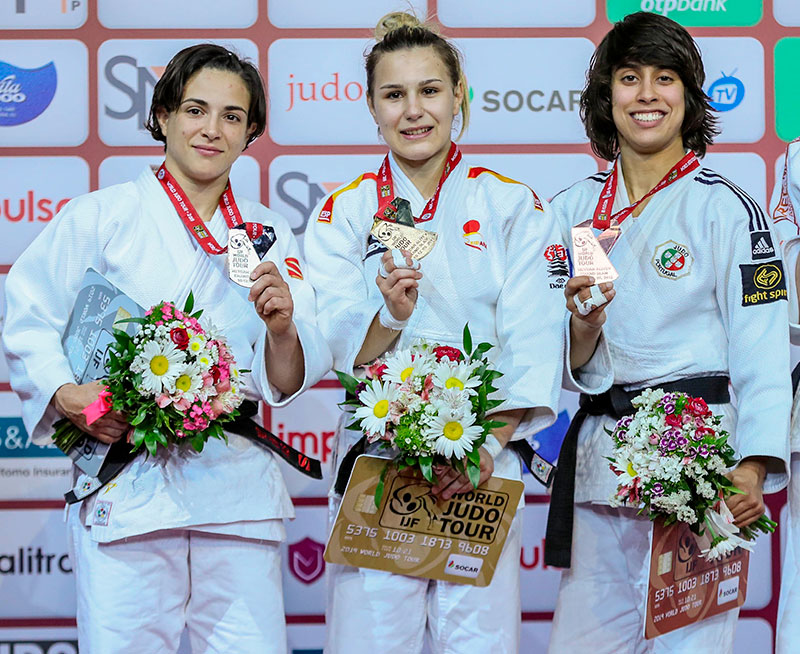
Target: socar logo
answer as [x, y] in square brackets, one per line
[727, 92]
[25, 93]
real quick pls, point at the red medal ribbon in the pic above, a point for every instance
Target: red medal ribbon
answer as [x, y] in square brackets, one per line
[386, 187]
[193, 222]
[602, 220]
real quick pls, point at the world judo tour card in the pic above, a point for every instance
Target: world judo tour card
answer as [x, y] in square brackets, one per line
[684, 588]
[86, 339]
[410, 533]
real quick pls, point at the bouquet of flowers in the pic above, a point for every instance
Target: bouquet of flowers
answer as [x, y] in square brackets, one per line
[670, 457]
[428, 403]
[175, 379]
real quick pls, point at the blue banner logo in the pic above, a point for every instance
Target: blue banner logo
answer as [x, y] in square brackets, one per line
[25, 93]
[16, 443]
[726, 93]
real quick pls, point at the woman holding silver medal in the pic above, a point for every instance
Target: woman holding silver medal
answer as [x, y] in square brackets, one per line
[685, 318]
[179, 540]
[488, 269]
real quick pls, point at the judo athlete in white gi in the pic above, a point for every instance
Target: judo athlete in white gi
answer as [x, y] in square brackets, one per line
[489, 269]
[785, 210]
[180, 539]
[689, 303]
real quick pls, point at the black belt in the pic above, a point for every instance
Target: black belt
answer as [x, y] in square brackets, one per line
[615, 402]
[795, 378]
[119, 455]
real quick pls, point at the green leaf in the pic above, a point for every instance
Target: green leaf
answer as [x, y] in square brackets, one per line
[141, 414]
[189, 304]
[474, 456]
[426, 467]
[198, 442]
[483, 348]
[467, 341]
[474, 473]
[138, 437]
[379, 488]
[140, 321]
[349, 382]
[161, 438]
[151, 445]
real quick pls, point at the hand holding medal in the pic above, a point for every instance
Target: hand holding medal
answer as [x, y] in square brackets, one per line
[272, 298]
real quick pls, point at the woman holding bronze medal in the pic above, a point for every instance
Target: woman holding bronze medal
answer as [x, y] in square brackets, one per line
[687, 317]
[179, 540]
[487, 268]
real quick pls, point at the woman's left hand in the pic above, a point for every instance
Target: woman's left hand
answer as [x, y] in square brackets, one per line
[272, 298]
[451, 482]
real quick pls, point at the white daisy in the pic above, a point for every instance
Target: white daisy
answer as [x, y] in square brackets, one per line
[189, 382]
[159, 363]
[624, 466]
[453, 437]
[449, 374]
[375, 412]
[452, 404]
[196, 344]
[400, 366]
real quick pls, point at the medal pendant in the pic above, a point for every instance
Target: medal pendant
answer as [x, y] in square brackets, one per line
[419, 242]
[589, 256]
[242, 258]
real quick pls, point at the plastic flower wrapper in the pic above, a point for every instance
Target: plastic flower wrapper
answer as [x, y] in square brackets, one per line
[429, 405]
[670, 458]
[176, 380]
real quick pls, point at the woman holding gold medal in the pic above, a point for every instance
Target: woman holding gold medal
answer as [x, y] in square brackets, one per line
[686, 317]
[488, 269]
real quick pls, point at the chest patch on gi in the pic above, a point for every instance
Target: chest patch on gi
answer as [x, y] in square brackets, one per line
[762, 283]
[557, 265]
[672, 260]
[472, 235]
[102, 513]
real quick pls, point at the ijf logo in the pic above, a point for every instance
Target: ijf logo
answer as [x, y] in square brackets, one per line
[306, 560]
[672, 260]
[472, 235]
[102, 513]
[25, 93]
[727, 92]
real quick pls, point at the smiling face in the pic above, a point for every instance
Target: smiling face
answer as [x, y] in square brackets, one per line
[413, 104]
[208, 131]
[648, 107]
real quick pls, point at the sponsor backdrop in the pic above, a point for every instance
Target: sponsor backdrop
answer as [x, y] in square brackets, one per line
[75, 84]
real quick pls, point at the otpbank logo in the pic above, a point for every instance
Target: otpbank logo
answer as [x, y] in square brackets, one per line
[694, 13]
[127, 73]
[43, 14]
[787, 90]
[317, 92]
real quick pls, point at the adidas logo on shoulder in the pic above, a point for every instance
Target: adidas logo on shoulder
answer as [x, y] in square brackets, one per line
[761, 243]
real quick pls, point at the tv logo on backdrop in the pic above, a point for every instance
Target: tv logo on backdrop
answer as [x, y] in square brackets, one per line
[138, 95]
[38, 647]
[25, 93]
[726, 93]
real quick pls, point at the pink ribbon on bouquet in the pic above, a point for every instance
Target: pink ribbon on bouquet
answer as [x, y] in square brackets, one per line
[100, 407]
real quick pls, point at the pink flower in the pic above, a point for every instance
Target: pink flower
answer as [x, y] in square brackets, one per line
[426, 388]
[208, 379]
[376, 370]
[163, 400]
[159, 323]
[672, 420]
[653, 439]
[182, 405]
[224, 386]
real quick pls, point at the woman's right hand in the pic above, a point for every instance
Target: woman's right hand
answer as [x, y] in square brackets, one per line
[70, 400]
[399, 287]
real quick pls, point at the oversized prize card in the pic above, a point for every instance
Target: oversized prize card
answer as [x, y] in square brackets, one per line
[410, 533]
[684, 588]
[89, 332]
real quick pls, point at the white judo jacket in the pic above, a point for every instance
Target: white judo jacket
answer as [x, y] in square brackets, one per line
[132, 235]
[499, 264]
[701, 292]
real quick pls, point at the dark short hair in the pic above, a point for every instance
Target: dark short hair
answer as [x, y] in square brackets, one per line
[168, 92]
[646, 39]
